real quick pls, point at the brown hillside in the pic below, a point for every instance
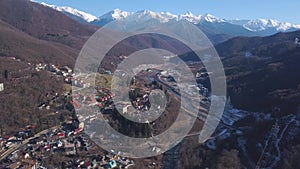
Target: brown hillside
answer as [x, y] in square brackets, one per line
[16, 43]
[44, 23]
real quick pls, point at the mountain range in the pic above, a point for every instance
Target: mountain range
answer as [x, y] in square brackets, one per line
[217, 29]
[36, 33]
[256, 56]
[262, 74]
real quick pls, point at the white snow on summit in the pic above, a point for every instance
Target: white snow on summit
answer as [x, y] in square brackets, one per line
[195, 19]
[256, 25]
[264, 24]
[116, 14]
[212, 19]
[85, 16]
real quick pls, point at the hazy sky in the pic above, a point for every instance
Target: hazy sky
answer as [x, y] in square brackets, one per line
[227, 9]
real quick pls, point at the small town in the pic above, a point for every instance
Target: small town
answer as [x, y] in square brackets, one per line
[30, 150]
[149, 84]
[65, 140]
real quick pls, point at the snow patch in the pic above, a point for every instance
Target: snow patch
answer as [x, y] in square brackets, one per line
[85, 16]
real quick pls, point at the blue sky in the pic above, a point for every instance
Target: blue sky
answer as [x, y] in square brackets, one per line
[227, 9]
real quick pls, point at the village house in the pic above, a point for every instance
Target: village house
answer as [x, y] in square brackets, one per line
[1, 87]
[70, 149]
[66, 69]
[76, 82]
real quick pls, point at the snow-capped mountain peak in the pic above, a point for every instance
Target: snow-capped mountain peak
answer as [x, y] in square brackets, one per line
[264, 24]
[196, 19]
[161, 16]
[190, 17]
[145, 13]
[119, 14]
[253, 27]
[211, 18]
[269, 26]
[71, 11]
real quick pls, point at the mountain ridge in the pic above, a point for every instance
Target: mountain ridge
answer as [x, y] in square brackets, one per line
[262, 71]
[45, 23]
[259, 26]
[35, 33]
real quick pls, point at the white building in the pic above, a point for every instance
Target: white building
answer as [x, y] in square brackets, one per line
[1, 87]
[125, 109]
